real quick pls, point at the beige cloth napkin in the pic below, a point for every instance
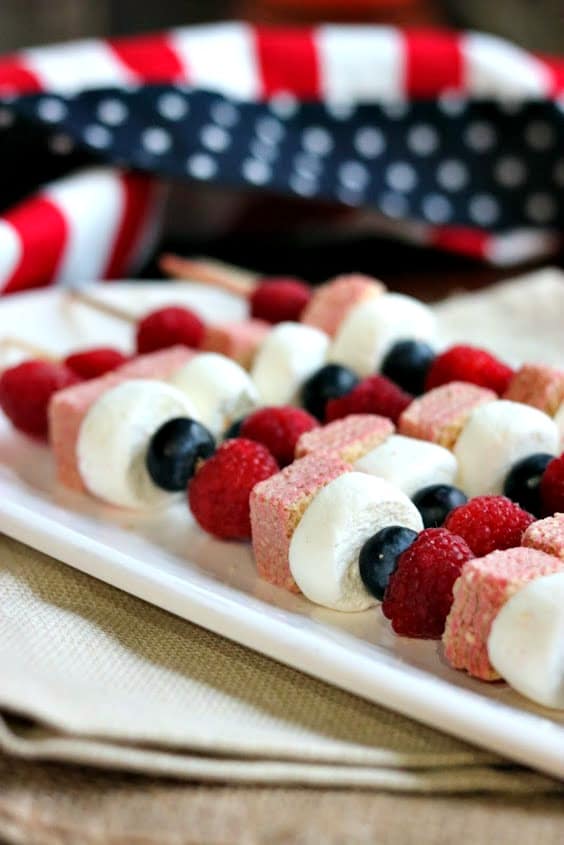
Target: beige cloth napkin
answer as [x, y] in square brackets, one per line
[104, 679]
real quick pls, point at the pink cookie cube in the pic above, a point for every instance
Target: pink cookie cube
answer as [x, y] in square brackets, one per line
[68, 407]
[238, 340]
[348, 439]
[546, 535]
[440, 415]
[278, 504]
[332, 301]
[539, 386]
[481, 590]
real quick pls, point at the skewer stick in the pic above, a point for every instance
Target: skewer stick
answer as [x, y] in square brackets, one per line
[208, 271]
[100, 305]
[29, 348]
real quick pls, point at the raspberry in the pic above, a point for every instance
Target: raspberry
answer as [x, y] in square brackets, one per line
[489, 523]
[419, 596]
[25, 392]
[374, 395]
[91, 363]
[278, 300]
[468, 363]
[552, 486]
[278, 429]
[168, 327]
[219, 492]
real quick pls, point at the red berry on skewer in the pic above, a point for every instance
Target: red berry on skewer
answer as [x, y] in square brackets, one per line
[279, 300]
[169, 326]
[26, 390]
[471, 364]
[91, 363]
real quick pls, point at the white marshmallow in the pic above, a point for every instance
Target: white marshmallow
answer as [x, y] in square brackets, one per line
[325, 546]
[220, 389]
[371, 328]
[526, 642]
[114, 437]
[290, 353]
[410, 464]
[495, 437]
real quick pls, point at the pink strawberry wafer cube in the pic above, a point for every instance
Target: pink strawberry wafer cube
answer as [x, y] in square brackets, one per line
[440, 415]
[68, 407]
[539, 386]
[278, 504]
[237, 340]
[331, 302]
[546, 535]
[349, 438]
[481, 590]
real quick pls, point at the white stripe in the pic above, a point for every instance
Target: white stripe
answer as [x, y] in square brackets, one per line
[10, 251]
[360, 63]
[92, 203]
[68, 68]
[495, 68]
[521, 245]
[219, 57]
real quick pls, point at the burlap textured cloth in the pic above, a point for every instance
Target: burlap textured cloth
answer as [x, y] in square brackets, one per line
[104, 679]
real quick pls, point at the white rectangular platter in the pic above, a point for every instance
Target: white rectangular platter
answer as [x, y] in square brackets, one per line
[164, 559]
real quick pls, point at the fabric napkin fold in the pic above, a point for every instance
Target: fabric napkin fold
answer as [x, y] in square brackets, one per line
[104, 679]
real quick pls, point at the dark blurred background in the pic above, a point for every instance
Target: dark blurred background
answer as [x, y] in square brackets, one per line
[283, 236]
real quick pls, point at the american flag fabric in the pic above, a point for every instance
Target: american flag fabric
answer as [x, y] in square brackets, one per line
[456, 137]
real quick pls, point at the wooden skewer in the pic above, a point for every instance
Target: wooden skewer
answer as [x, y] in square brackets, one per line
[100, 305]
[208, 271]
[29, 348]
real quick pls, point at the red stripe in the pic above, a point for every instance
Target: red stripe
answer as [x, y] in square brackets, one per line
[138, 191]
[150, 57]
[555, 69]
[287, 61]
[15, 78]
[433, 63]
[43, 232]
[468, 241]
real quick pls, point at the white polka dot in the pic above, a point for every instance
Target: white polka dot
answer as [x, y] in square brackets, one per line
[51, 110]
[510, 172]
[266, 152]
[483, 209]
[340, 110]
[61, 144]
[348, 196]
[256, 171]
[401, 176]
[305, 186]
[511, 106]
[283, 104]
[201, 166]
[436, 208]
[480, 136]
[452, 103]
[540, 208]
[112, 112]
[393, 205]
[317, 140]
[452, 174]
[308, 165]
[172, 106]
[559, 173]
[97, 136]
[224, 113]
[156, 140]
[369, 142]
[395, 111]
[560, 104]
[539, 135]
[353, 175]
[6, 118]
[422, 139]
[269, 130]
[215, 138]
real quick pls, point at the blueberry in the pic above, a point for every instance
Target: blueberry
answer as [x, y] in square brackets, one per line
[435, 502]
[330, 382]
[379, 556]
[522, 483]
[174, 450]
[407, 364]
[234, 429]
